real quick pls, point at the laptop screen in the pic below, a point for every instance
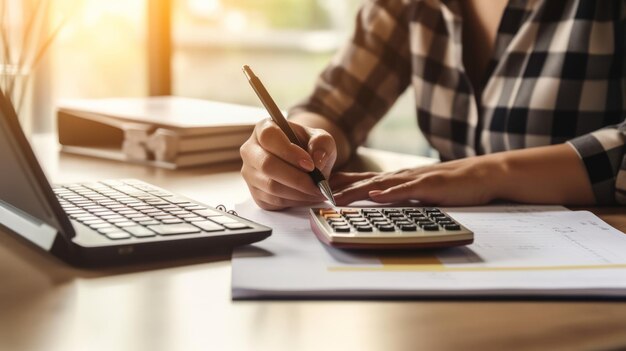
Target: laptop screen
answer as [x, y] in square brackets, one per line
[22, 182]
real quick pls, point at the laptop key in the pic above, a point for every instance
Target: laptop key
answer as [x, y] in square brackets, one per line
[100, 225]
[125, 224]
[235, 226]
[223, 219]
[209, 226]
[108, 230]
[174, 229]
[139, 231]
[171, 221]
[117, 235]
[149, 222]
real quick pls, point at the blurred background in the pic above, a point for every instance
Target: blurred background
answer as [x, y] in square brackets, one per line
[195, 48]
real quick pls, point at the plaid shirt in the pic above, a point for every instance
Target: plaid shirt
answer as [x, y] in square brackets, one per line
[557, 74]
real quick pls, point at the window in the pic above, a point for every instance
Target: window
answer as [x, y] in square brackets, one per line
[103, 52]
[287, 42]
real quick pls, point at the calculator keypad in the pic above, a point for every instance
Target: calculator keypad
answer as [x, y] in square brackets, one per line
[390, 220]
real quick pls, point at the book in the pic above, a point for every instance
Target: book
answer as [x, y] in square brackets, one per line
[167, 144]
[163, 131]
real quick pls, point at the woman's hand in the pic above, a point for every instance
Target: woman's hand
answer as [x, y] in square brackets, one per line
[276, 170]
[542, 175]
[455, 183]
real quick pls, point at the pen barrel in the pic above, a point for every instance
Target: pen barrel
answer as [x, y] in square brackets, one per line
[274, 111]
[317, 175]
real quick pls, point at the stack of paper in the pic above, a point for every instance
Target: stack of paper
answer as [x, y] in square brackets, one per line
[518, 251]
[166, 131]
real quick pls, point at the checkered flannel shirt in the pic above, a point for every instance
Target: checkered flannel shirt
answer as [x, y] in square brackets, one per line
[557, 74]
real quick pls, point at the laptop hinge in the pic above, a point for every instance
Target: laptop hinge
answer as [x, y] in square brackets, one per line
[27, 226]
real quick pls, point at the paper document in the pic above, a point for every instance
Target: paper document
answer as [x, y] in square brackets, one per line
[518, 251]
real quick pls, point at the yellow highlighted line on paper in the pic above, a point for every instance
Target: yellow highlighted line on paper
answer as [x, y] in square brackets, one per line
[441, 268]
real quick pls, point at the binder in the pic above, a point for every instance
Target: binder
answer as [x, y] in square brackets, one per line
[167, 131]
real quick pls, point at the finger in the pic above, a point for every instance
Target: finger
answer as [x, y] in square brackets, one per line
[322, 148]
[268, 164]
[400, 192]
[412, 190]
[275, 188]
[274, 202]
[360, 190]
[273, 140]
[341, 180]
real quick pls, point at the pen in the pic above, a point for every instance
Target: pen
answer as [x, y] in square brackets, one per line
[282, 123]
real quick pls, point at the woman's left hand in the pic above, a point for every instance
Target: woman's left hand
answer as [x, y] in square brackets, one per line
[457, 183]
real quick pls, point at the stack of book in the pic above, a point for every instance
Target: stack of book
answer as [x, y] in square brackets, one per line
[167, 131]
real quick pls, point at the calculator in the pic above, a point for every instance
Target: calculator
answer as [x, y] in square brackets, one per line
[388, 228]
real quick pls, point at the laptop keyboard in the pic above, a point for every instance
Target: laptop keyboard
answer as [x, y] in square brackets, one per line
[123, 209]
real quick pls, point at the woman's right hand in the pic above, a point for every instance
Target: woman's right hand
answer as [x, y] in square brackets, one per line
[276, 170]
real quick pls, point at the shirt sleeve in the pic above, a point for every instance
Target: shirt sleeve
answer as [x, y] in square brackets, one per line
[603, 154]
[368, 74]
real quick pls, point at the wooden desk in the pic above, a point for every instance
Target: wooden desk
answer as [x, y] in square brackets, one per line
[186, 304]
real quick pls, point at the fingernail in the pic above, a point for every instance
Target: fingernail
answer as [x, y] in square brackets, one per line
[306, 164]
[319, 157]
[375, 192]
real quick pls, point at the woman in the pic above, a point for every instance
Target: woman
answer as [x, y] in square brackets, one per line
[524, 100]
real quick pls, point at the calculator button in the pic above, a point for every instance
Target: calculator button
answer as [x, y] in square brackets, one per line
[380, 221]
[452, 227]
[437, 215]
[336, 221]
[401, 223]
[342, 229]
[386, 228]
[408, 227]
[364, 228]
[447, 221]
[332, 215]
[423, 223]
[430, 227]
[324, 211]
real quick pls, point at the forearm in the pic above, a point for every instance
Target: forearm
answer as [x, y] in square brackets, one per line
[547, 175]
[344, 149]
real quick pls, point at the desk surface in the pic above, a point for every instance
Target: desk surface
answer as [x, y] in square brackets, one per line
[186, 304]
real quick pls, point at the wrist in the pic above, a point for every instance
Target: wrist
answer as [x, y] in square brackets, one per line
[496, 176]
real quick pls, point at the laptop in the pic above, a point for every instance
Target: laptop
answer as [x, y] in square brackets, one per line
[107, 222]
